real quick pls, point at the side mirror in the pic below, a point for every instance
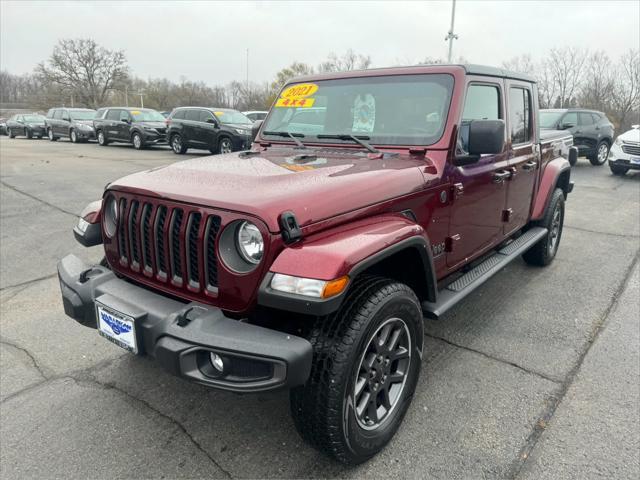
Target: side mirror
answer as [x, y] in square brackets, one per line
[566, 126]
[212, 121]
[126, 120]
[255, 128]
[484, 137]
[66, 119]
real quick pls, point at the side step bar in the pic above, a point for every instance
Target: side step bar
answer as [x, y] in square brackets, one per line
[467, 283]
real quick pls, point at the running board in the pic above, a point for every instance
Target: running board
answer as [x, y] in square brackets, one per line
[467, 283]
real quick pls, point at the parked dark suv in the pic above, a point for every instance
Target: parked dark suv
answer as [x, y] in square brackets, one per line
[30, 125]
[74, 123]
[592, 131]
[139, 126]
[219, 130]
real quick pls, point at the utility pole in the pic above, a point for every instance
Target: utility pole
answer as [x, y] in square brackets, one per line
[126, 95]
[451, 36]
[141, 93]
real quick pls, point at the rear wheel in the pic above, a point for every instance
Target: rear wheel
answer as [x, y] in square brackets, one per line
[29, 133]
[136, 139]
[102, 138]
[177, 145]
[543, 252]
[618, 170]
[602, 152]
[225, 145]
[366, 363]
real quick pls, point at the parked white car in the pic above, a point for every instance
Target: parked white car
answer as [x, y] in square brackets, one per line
[625, 152]
[256, 115]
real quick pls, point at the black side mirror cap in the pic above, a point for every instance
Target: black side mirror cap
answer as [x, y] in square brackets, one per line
[567, 126]
[255, 128]
[486, 137]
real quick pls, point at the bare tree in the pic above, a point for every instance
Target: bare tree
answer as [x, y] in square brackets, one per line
[598, 82]
[625, 95]
[348, 61]
[84, 69]
[521, 64]
[565, 66]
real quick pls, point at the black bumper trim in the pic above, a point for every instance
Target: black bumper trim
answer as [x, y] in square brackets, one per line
[176, 344]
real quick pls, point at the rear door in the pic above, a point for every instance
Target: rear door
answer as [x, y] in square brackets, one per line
[57, 121]
[587, 129]
[124, 125]
[64, 123]
[481, 190]
[191, 127]
[524, 155]
[111, 123]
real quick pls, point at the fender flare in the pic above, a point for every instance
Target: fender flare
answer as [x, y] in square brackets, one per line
[548, 182]
[346, 250]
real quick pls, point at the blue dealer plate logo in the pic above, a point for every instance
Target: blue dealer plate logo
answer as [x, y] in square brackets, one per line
[117, 326]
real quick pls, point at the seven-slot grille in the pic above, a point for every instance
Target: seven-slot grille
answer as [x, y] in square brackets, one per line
[175, 243]
[631, 149]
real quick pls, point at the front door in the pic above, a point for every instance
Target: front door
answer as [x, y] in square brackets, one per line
[480, 189]
[524, 156]
[124, 125]
[208, 130]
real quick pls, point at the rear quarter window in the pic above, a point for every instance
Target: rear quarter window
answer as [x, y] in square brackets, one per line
[178, 115]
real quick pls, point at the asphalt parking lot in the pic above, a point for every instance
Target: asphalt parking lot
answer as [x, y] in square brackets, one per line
[536, 375]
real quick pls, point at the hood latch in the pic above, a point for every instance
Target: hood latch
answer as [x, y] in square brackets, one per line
[291, 231]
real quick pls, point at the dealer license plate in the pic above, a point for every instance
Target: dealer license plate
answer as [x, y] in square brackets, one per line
[117, 327]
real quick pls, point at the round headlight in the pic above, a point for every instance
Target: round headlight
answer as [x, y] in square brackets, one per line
[250, 242]
[110, 216]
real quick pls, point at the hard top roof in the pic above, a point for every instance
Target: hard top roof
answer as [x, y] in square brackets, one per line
[469, 69]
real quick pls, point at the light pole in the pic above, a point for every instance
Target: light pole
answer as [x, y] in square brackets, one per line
[451, 36]
[141, 93]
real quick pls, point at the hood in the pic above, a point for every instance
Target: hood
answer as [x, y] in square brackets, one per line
[84, 122]
[632, 135]
[243, 126]
[152, 124]
[275, 181]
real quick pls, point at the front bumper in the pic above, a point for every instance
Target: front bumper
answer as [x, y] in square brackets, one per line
[181, 336]
[153, 138]
[86, 134]
[619, 158]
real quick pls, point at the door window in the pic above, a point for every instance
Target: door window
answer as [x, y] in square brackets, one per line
[58, 114]
[569, 120]
[113, 115]
[520, 115]
[179, 115]
[206, 116]
[124, 116]
[192, 115]
[585, 118]
[596, 118]
[482, 103]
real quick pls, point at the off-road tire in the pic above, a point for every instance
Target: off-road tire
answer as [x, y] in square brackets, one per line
[599, 158]
[10, 133]
[177, 144]
[139, 144]
[52, 137]
[322, 409]
[618, 170]
[543, 252]
[101, 138]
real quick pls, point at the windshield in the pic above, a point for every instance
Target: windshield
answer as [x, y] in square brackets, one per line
[82, 114]
[549, 119]
[33, 118]
[146, 116]
[391, 110]
[232, 116]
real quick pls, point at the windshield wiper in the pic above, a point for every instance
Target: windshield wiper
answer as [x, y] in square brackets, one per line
[359, 140]
[289, 134]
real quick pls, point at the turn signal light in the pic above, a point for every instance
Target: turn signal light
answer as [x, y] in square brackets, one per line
[335, 287]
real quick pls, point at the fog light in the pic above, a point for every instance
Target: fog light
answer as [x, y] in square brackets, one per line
[217, 362]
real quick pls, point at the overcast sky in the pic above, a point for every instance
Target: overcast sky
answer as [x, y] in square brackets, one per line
[208, 40]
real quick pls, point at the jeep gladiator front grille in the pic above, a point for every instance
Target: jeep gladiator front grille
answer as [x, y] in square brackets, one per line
[169, 243]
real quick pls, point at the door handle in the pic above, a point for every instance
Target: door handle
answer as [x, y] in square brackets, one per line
[529, 166]
[500, 177]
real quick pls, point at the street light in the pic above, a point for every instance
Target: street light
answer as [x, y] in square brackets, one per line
[141, 93]
[450, 35]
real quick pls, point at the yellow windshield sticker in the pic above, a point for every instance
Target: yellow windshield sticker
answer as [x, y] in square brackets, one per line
[219, 114]
[135, 112]
[295, 102]
[300, 90]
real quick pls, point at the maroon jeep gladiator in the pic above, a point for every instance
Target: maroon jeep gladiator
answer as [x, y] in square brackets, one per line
[370, 200]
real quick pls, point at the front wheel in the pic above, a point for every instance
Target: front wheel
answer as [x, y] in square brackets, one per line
[366, 363]
[102, 139]
[73, 136]
[225, 145]
[52, 137]
[138, 144]
[11, 133]
[618, 170]
[29, 134]
[177, 144]
[602, 152]
[543, 252]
